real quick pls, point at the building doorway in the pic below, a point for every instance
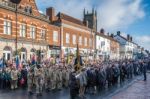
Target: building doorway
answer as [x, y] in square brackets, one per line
[7, 53]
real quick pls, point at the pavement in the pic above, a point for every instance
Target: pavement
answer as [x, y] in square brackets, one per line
[131, 89]
[138, 90]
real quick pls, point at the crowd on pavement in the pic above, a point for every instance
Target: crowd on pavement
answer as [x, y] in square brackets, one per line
[93, 76]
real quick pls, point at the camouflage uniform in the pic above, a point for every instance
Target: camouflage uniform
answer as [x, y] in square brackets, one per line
[30, 77]
[53, 79]
[14, 78]
[59, 78]
[39, 80]
[46, 78]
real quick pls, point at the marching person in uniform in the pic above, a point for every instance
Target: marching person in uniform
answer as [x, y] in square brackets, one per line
[59, 78]
[39, 80]
[46, 78]
[73, 85]
[144, 66]
[54, 78]
[14, 78]
[30, 77]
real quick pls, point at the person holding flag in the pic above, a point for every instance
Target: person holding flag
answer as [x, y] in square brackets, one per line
[78, 61]
[33, 62]
[17, 62]
[1, 63]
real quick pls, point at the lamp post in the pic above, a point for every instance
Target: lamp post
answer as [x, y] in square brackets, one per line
[91, 42]
[16, 2]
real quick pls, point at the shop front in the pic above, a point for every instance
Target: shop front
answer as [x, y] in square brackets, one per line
[53, 51]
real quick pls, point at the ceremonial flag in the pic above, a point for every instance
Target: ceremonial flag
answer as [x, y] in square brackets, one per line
[1, 63]
[17, 62]
[33, 60]
[77, 60]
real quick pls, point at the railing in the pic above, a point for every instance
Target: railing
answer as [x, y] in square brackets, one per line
[7, 4]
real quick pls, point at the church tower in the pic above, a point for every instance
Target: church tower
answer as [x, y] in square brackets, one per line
[91, 18]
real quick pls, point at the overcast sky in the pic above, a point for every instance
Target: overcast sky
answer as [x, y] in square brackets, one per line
[128, 16]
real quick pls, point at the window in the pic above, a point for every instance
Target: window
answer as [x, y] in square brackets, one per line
[43, 34]
[67, 38]
[32, 32]
[90, 42]
[85, 41]
[22, 30]
[55, 36]
[74, 39]
[7, 27]
[80, 40]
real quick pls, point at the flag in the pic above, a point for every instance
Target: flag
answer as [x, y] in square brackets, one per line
[77, 60]
[33, 60]
[68, 59]
[1, 63]
[17, 62]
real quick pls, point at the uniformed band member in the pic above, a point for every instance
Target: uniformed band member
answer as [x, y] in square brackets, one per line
[14, 78]
[30, 78]
[39, 79]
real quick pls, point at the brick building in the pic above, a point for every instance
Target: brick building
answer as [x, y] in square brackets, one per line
[29, 31]
[114, 48]
[34, 30]
[73, 32]
[106, 46]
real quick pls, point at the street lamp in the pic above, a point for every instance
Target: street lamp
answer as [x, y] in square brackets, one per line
[16, 2]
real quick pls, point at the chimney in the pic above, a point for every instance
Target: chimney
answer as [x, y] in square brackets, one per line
[108, 34]
[112, 35]
[128, 37]
[131, 39]
[51, 13]
[118, 33]
[86, 23]
[142, 48]
[102, 31]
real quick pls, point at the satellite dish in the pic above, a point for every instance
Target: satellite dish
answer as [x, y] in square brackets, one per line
[15, 1]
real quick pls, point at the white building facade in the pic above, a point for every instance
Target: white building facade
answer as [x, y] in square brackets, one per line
[127, 47]
[102, 46]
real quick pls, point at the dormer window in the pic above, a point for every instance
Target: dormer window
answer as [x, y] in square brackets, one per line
[28, 9]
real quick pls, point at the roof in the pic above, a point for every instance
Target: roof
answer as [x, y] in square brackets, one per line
[122, 37]
[112, 39]
[126, 39]
[106, 36]
[102, 35]
[70, 19]
[135, 43]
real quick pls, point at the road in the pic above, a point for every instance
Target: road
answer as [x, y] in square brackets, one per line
[130, 89]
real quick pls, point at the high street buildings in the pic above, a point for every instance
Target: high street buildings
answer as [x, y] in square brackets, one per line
[55, 35]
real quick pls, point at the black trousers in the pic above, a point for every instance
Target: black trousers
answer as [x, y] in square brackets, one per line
[145, 77]
[73, 93]
[1, 83]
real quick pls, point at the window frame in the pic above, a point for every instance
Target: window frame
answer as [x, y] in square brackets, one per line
[85, 41]
[43, 31]
[33, 32]
[23, 28]
[55, 36]
[74, 39]
[67, 38]
[80, 40]
[7, 27]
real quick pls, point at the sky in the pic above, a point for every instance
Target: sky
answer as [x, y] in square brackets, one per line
[128, 16]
